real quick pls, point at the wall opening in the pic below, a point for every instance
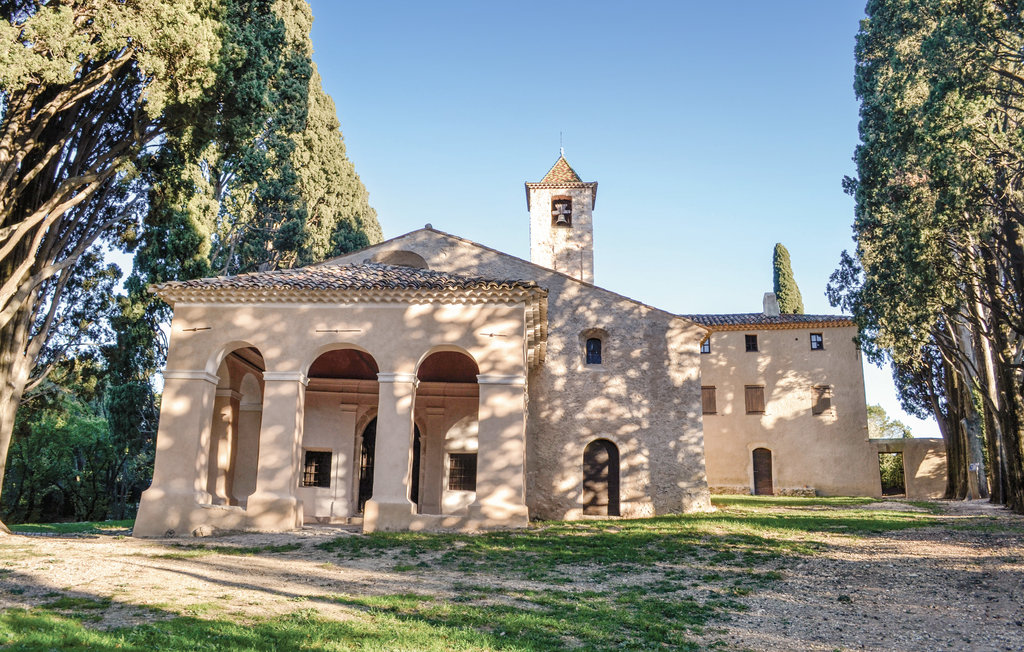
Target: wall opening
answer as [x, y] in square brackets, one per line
[890, 467]
[232, 456]
[601, 478]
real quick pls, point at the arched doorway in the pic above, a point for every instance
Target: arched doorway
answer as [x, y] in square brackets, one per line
[232, 455]
[340, 397]
[601, 478]
[367, 451]
[763, 472]
[444, 469]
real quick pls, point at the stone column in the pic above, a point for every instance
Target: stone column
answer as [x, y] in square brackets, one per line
[274, 505]
[390, 508]
[501, 455]
[246, 452]
[182, 447]
[222, 437]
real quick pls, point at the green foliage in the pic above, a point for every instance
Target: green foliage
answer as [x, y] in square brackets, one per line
[890, 465]
[882, 426]
[786, 290]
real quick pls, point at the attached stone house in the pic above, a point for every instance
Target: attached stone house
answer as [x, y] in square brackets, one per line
[430, 382]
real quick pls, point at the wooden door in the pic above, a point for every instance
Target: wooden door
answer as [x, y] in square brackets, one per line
[763, 472]
[367, 450]
[601, 478]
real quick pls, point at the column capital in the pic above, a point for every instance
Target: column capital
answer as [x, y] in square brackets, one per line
[395, 377]
[223, 392]
[191, 374]
[496, 379]
[286, 375]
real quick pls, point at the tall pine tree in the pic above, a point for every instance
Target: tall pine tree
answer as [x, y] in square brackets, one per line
[786, 290]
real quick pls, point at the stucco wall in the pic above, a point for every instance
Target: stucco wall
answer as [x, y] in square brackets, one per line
[829, 452]
[645, 397]
[924, 464]
[569, 250]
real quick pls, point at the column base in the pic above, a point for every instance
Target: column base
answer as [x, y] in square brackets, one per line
[175, 514]
[273, 513]
[387, 516]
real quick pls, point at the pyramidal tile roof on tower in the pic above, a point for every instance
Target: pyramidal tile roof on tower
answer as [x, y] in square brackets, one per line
[561, 172]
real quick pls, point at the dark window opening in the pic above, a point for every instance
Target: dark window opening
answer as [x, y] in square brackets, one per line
[462, 472]
[751, 343]
[708, 401]
[705, 346]
[890, 466]
[821, 399]
[561, 211]
[753, 396]
[593, 351]
[817, 342]
[317, 470]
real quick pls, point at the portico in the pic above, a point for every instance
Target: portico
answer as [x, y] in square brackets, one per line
[289, 396]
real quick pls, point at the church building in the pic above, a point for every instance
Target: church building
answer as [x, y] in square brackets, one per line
[429, 382]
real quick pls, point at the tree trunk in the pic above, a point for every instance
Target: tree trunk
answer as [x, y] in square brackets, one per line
[14, 372]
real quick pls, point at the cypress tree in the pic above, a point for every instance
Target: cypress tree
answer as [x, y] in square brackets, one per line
[786, 290]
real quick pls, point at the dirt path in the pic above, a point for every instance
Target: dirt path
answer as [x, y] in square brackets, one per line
[930, 588]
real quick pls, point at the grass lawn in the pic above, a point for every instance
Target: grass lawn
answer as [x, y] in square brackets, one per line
[633, 584]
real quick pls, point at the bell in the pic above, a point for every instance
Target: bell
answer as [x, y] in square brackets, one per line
[561, 221]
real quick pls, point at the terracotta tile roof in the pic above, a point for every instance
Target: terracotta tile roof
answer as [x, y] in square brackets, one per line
[364, 276]
[759, 320]
[561, 172]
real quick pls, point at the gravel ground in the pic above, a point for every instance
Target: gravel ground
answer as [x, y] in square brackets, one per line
[933, 588]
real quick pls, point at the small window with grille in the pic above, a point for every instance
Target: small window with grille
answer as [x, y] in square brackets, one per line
[817, 342]
[462, 471]
[593, 350]
[751, 341]
[317, 470]
[705, 346]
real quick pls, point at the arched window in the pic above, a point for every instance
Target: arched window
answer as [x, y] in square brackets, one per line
[601, 478]
[593, 350]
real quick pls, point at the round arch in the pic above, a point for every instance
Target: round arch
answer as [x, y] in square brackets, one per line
[214, 361]
[447, 363]
[401, 257]
[601, 478]
[323, 349]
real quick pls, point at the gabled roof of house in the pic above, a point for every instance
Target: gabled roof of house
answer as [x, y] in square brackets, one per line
[363, 276]
[761, 321]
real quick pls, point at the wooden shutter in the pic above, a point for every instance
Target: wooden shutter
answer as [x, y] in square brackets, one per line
[821, 399]
[707, 399]
[754, 398]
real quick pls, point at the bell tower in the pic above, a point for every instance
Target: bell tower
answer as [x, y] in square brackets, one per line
[561, 209]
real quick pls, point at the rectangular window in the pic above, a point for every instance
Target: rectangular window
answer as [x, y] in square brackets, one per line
[462, 471]
[751, 343]
[707, 399]
[317, 470]
[705, 346]
[753, 396]
[821, 399]
[817, 342]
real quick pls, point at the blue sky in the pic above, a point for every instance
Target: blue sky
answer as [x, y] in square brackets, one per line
[714, 131]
